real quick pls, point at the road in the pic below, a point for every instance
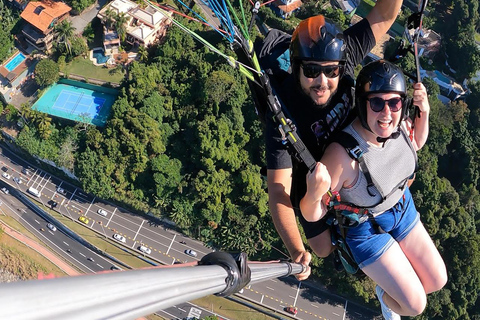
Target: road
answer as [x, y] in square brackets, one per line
[167, 245]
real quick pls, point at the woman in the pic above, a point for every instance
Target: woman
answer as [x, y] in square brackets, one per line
[390, 244]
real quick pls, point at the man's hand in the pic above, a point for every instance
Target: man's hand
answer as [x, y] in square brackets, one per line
[303, 257]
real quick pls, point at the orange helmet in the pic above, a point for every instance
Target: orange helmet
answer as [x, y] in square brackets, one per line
[317, 39]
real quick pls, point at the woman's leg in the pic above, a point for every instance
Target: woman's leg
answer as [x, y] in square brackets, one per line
[404, 292]
[425, 259]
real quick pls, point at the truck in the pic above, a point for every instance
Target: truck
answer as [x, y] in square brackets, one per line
[34, 191]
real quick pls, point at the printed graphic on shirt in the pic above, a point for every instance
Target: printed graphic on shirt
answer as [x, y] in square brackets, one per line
[323, 128]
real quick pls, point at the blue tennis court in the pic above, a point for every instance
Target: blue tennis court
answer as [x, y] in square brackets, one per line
[77, 101]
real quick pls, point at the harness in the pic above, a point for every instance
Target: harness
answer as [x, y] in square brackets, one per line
[346, 215]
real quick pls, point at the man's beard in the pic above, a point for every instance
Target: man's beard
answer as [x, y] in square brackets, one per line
[320, 87]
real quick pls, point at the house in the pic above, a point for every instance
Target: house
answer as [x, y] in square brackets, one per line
[41, 17]
[144, 26]
[285, 8]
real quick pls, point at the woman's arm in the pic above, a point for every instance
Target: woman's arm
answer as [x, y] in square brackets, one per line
[335, 170]
[420, 132]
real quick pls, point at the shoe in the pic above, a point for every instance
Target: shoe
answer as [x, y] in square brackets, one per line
[387, 313]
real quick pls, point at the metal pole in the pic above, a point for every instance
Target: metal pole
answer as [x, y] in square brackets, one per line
[122, 294]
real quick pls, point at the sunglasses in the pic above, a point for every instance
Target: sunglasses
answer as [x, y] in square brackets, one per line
[378, 104]
[314, 70]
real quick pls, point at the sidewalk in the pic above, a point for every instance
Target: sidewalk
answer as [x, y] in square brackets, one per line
[68, 269]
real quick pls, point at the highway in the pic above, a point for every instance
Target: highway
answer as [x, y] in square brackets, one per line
[167, 246]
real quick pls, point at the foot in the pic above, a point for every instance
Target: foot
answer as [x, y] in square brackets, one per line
[387, 313]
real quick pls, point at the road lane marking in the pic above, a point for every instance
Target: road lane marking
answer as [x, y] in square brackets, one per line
[82, 254]
[136, 234]
[100, 266]
[314, 305]
[66, 243]
[111, 216]
[36, 221]
[270, 288]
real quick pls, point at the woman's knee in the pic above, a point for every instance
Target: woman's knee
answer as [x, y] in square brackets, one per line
[438, 281]
[415, 304]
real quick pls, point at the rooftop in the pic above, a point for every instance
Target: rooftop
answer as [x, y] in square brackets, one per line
[42, 14]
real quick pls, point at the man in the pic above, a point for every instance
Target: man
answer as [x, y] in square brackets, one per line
[318, 95]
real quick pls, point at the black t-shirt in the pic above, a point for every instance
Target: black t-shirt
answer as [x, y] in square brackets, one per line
[316, 125]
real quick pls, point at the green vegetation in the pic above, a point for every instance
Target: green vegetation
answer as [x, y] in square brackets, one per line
[84, 67]
[9, 18]
[23, 261]
[46, 72]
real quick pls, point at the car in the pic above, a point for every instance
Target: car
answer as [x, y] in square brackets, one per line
[90, 259]
[1, 202]
[84, 219]
[177, 262]
[51, 227]
[6, 175]
[61, 190]
[102, 212]
[119, 237]
[291, 310]
[113, 267]
[25, 171]
[5, 190]
[190, 252]
[4, 169]
[52, 203]
[145, 249]
[17, 180]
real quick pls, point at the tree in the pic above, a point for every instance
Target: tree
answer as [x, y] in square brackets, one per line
[143, 54]
[46, 72]
[64, 33]
[121, 20]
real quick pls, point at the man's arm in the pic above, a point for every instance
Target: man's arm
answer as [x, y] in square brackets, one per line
[382, 16]
[279, 183]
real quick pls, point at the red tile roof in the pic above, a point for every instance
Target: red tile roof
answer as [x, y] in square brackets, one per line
[42, 14]
[288, 7]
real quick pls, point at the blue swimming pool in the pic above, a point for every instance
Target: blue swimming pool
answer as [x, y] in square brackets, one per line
[100, 56]
[15, 62]
[441, 77]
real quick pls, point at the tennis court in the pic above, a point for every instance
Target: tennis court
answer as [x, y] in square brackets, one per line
[77, 101]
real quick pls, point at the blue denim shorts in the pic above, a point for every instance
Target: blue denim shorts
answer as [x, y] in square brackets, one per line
[367, 245]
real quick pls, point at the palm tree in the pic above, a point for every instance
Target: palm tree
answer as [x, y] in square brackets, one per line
[65, 31]
[121, 25]
[109, 18]
[143, 54]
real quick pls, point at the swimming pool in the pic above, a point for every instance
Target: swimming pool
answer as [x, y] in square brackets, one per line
[99, 55]
[15, 62]
[441, 77]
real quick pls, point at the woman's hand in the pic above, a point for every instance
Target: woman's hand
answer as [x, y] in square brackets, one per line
[318, 182]
[420, 98]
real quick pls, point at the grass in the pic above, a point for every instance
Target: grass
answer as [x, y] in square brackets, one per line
[17, 258]
[230, 309]
[84, 67]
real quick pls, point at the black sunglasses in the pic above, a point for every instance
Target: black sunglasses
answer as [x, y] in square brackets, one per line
[314, 70]
[377, 104]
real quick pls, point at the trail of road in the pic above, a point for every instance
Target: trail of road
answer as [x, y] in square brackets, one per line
[65, 267]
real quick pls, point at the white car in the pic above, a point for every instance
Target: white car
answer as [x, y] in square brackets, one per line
[145, 249]
[102, 212]
[6, 175]
[5, 190]
[51, 227]
[191, 253]
[17, 180]
[120, 238]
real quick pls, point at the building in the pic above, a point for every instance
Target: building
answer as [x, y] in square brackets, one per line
[144, 25]
[285, 8]
[41, 17]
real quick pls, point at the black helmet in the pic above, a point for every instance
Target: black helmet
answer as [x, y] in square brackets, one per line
[317, 39]
[378, 76]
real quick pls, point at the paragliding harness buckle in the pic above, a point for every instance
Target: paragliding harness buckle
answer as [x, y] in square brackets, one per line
[346, 215]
